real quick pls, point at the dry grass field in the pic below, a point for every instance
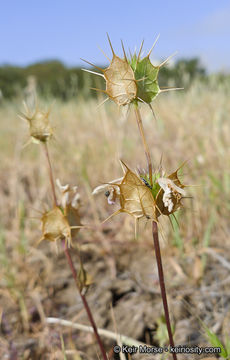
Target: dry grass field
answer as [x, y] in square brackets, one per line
[36, 283]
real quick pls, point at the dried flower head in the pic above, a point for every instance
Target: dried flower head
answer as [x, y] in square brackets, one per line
[141, 200]
[135, 197]
[171, 192]
[40, 129]
[131, 80]
[55, 226]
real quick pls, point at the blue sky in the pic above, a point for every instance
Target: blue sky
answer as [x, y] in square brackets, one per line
[68, 30]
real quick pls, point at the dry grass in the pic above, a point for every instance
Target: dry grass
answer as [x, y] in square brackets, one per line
[35, 282]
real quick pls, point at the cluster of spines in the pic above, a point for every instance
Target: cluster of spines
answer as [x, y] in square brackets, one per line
[139, 77]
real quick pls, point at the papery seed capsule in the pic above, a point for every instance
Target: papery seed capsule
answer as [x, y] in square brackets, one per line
[39, 124]
[131, 80]
[55, 226]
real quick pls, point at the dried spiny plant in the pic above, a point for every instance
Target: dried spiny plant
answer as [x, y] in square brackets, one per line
[62, 221]
[129, 82]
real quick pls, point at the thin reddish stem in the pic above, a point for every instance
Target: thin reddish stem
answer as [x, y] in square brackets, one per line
[70, 262]
[147, 152]
[50, 173]
[162, 283]
[83, 298]
[155, 234]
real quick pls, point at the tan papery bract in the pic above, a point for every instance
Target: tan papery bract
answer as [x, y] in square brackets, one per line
[120, 81]
[119, 76]
[136, 198]
[55, 226]
[74, 220]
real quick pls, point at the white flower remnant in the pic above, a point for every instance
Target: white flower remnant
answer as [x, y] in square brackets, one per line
[170, 190]
[167, 200]
[112, 191]
[69, 195]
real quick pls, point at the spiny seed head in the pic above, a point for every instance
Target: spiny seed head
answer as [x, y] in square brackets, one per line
[55, 226]
[131, 80]
[39, 125]
[140, 199]
[135, 197]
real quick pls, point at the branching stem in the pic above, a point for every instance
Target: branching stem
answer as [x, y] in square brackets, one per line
[71, 265]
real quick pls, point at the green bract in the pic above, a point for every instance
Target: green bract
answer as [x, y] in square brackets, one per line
[146, 79]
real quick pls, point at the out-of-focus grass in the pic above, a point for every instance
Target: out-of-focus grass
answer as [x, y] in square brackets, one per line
[85, 151]
[88, 144]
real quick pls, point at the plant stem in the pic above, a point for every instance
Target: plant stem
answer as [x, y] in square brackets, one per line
[50, 173]
[155, 235]
[70, 262]
[147, 152]
[162, 283]
[85, 303]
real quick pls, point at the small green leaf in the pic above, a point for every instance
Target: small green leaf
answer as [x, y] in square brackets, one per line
[215, 342]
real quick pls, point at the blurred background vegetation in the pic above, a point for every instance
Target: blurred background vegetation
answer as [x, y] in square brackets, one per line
[53, 79]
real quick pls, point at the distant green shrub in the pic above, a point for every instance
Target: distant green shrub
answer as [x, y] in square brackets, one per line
[54, 79]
